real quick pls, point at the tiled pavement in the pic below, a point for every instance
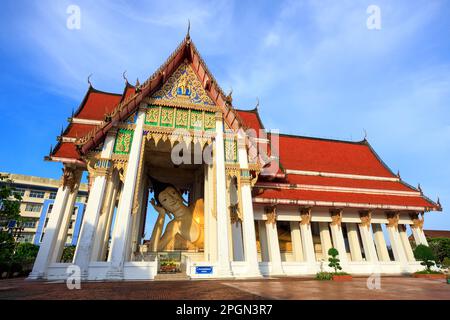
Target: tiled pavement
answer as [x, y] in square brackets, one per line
[404, 288]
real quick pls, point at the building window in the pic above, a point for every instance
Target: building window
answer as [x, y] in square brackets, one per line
[71, 224]
[37, 194]
[33, 207]
[50, 208]
[19, 192]
[42, 237]
[52, 195]
[74, 212]
[68, 240]
[80, 199]
[29, 224]
[46, 222]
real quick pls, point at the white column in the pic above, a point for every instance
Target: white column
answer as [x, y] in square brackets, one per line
[248, 223]
[123, 216]
[223, 250]
[83, 251]
[380, 242]
[325, 239]
[206, 245]
[110, 212]
[296, 239]
[405, 242]
[338, 242]
[307, 241]
[103, 219]
[368, 243]
[62, 236]
[423, 238]
[273, 248]
[396, 244]
[353, 239]
[238, 246]
[264, 246]
[47, 247]
[212, 214]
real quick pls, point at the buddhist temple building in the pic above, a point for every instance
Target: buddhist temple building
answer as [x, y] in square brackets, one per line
[228, 197]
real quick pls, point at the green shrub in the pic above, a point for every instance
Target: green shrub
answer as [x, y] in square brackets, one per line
[323, 276]
[334, 262]
[68, 253]
[425, 254]
[25, 252]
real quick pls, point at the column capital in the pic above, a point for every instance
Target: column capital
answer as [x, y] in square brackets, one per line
[416, 220]
[219, 116]
[271, 213]
[366, 217]
[70, 178]
[142, 107]
[392, 217]
[305, 214]
[336, 217]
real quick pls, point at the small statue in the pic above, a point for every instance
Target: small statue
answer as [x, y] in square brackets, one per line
[187, 221]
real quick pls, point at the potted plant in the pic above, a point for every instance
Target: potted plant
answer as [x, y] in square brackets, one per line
[168, 267]
[334, 263]
[424, 254]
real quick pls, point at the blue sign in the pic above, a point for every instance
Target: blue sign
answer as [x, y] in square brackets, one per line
[203, 270]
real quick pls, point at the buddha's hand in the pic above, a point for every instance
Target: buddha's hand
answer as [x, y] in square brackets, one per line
[160, 209]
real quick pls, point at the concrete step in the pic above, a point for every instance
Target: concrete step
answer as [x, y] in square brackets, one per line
[171, 276]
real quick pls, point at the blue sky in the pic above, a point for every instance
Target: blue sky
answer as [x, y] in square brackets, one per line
[315, 66]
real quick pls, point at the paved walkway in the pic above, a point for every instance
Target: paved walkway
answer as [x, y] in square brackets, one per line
[392, 288]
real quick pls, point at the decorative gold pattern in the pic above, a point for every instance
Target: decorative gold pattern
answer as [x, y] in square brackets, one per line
[70, 178]
[336, 217]
[271, 214]
[123, 141]
[417, 222]
[366, 217]
[393, 217]
[183, 84]
[305, 215]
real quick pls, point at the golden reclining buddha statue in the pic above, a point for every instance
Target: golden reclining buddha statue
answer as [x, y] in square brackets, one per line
[186, 227]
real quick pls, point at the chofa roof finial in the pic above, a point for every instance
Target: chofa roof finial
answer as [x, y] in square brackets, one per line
[419, 188]
[398, 174]
[89, 80]
[124, 76]
[188, 36]
[365, 135]
[438, 202]
[257, 103]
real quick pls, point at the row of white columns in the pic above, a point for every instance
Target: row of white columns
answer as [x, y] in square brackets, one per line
[373, 245]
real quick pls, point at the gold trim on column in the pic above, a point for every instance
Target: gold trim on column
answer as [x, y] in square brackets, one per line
[139, 178]
[70, 178]
[271, 214]
[336, 217]
[416, 221]
[305, 215]
[393, 217]
[366, 217]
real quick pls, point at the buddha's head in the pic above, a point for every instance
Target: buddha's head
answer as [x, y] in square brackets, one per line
[170, 199]
[167, 195]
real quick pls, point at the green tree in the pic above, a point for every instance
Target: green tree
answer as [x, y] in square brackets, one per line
[440, 248]
[425, 254]
[9, 201]
[334, 261]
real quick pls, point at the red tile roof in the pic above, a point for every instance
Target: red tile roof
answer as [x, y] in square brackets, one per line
[346, 197]
[78, 130]
[347, 183]
[66, 150]
[312, 154]
[96, 104]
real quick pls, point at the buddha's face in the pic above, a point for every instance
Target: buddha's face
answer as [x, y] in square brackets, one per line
[170, 199]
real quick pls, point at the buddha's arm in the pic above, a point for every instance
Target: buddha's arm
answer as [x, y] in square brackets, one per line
[157, 229]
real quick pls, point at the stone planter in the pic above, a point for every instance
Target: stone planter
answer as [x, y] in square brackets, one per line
[430, 276]
[342, 278]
